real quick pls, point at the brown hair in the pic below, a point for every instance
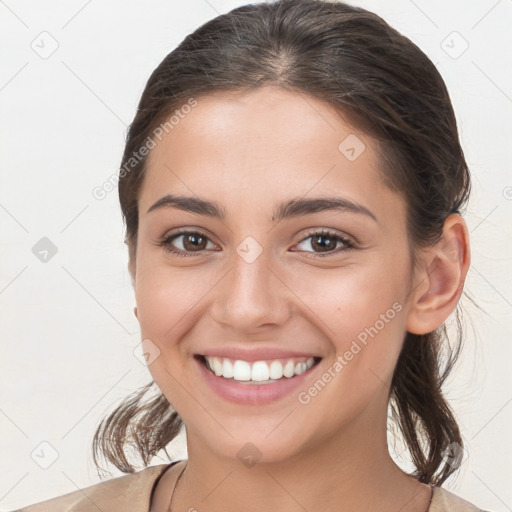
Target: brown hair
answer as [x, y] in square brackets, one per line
[386, 86]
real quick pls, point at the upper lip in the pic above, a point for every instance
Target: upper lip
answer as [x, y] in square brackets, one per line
[255, 354]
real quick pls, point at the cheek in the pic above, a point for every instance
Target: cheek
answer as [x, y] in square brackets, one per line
[167, 300]
[361, 311]
[362, 315]
[351, 299]
[164, 298]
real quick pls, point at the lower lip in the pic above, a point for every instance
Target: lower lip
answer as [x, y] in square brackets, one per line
[236, 391]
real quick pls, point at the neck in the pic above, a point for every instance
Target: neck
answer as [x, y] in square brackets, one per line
[350, 471]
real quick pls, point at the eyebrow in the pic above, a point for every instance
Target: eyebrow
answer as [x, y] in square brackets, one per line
[289, 209]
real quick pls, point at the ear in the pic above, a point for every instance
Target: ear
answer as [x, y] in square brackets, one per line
[131, 259]
[135, 312]
[131, 271]
[439, 278]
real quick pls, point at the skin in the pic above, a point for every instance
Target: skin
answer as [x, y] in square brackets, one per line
[248, 152]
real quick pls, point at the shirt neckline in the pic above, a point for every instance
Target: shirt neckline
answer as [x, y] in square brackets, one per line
[155, 483]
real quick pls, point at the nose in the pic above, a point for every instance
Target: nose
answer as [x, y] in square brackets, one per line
[251, 296]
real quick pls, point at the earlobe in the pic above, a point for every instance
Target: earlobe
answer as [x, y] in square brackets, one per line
[440, 283]
[135, 313]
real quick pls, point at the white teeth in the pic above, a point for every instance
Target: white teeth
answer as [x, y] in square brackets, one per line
[302, 369]
[276, 370]
[227, 369]
[259, 371]
[241, 370]
[289, 369]
[217, 366]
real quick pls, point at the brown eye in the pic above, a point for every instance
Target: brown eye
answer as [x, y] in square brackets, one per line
[323, 243]
[326, 243]
[186, 243]
[194, 241]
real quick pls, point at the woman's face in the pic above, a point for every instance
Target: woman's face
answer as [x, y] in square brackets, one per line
[258, 282]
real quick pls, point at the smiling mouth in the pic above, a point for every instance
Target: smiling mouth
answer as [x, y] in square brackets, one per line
[258, 372]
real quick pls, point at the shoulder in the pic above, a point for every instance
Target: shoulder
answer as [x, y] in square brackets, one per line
[128, 492]
[446, 501]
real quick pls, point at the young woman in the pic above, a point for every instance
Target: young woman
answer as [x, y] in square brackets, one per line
[292, 187]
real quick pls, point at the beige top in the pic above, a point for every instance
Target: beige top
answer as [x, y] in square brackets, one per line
[133, 492]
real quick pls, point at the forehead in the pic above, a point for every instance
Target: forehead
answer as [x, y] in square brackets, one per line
[252, 148]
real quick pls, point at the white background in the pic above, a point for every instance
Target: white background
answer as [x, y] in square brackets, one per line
[67, 326]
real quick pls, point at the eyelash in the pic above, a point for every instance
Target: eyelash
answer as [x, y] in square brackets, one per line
[166, 242]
